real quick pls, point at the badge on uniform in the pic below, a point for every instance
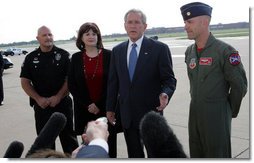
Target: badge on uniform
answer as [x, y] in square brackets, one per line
[192, 64]
[206, 61]
[57, 56]
[36, 60]
[234, 58]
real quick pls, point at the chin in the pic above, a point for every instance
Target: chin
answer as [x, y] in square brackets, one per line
[190, 37]
[134, 38]
[49, 44]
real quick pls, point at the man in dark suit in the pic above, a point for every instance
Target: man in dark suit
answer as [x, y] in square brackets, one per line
[149, 88]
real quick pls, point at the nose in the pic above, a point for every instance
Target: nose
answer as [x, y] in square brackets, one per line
[185, 25]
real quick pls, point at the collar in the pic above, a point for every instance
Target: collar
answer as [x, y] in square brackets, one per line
[209, 42]
[53, 49]
[100, 142]
[138, 42]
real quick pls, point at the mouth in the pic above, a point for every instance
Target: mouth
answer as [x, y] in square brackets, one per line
[133, 32]
[91, 41]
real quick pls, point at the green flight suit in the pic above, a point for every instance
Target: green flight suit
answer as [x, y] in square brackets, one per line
[217, 85]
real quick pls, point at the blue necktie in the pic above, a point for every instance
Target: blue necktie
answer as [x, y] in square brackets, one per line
[132, 60]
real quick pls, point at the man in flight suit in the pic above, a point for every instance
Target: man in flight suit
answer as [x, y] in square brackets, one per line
[43, 78]
[217, 85]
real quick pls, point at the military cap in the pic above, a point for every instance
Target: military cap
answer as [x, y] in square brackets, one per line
[195, 9]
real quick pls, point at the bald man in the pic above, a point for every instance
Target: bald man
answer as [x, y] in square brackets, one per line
[43, 78]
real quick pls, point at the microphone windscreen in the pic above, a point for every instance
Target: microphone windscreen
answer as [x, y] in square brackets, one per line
[158, 138]
[14, 150]
[49, 133]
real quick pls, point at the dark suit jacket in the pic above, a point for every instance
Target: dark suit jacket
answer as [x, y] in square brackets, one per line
[78, 88]
[92, 151]
[1, 64]
[153, 75]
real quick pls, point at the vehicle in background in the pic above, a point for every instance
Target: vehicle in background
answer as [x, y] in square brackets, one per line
[154, 37]
[14, 51]
[7, 63]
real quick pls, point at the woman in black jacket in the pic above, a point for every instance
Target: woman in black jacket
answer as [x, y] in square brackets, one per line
[87, 80]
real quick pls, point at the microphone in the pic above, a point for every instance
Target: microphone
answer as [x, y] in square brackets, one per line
[14, 150]
[49, 133]
[158, 138]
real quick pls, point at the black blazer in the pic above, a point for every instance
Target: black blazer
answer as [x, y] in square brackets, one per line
[153, 75]
[78, 88]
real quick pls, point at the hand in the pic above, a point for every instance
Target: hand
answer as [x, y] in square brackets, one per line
[95, 130]
[43, 102]
[92, 108]
[163, 101]
[111, 117]
[54, 100]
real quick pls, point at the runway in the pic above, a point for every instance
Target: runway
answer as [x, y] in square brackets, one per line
[17, 119]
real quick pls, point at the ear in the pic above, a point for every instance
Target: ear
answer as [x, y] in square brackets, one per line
[125, 27]
[85, 138]
[206, 20]
[145, 26]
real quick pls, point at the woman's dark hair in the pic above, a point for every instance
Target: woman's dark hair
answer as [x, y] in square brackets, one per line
[84, 29]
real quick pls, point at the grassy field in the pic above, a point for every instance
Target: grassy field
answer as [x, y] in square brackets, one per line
[182, 35]
[179, 35]
[217, 33]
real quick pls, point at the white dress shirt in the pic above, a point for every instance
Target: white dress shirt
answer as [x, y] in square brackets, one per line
[138, 47]
[100, 142]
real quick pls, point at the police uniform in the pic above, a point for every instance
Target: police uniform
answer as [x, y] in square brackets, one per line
[217, 85]
[48, 72]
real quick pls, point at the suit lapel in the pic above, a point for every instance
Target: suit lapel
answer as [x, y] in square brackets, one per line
[123, 61]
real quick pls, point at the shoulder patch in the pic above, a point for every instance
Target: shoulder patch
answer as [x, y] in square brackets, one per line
[234, 58]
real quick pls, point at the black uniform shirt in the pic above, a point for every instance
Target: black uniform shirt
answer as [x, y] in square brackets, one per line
[47, 71]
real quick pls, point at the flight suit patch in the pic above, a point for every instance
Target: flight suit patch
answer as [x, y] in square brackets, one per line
[192, 63]
[234, 59]
[207, 61]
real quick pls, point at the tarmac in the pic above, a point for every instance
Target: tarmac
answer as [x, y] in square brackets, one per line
[17, 119]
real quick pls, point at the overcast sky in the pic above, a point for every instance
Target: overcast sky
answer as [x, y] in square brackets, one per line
[20, 19]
